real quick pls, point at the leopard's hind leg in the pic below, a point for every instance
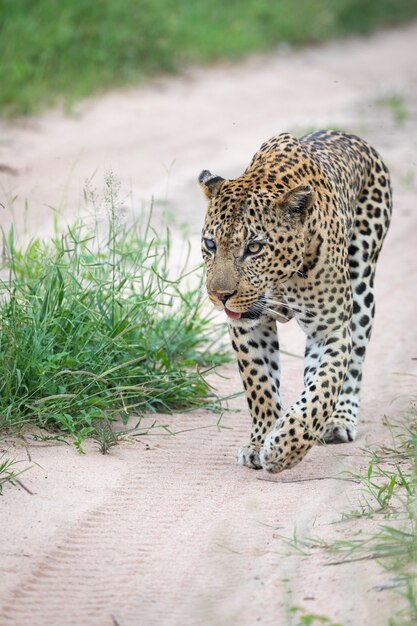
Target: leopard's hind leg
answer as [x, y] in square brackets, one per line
[371, 224]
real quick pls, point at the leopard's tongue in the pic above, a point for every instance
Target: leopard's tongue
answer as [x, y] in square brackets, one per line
[232, 314]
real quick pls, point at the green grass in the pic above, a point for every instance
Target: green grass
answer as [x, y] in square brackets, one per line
[8, 473]
[72, 48]
[94, 325]
[304, 618]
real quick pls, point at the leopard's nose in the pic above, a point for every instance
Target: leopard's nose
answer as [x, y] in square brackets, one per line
[223, 296]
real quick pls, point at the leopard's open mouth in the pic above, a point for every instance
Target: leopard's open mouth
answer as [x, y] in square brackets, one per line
[253, 313]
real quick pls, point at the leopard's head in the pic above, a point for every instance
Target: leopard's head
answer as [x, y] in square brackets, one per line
[253, 240]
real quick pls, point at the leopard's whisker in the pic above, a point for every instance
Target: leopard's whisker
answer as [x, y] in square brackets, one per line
[270, 302]
[269, 299]
[268, 310]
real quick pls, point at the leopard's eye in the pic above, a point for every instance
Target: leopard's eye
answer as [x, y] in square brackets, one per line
[254, 247]
[210, 245]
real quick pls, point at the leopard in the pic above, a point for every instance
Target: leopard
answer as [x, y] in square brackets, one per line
[297, 236]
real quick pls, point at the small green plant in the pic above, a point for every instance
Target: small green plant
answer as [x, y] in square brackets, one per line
[8, 475]
[310, 619]
[96, 324]
[379, 486]
[396, 105]
[104, 435]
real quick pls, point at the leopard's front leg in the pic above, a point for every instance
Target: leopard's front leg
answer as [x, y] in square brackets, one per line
[257, 353]
[305, 421]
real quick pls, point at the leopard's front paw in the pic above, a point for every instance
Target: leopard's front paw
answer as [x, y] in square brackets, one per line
[279, 453]
[248, 456]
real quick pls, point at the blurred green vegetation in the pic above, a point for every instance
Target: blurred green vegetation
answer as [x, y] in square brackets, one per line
[51, 49]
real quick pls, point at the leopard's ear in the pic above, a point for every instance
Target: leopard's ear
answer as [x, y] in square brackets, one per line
[295, 203]
[210, 183]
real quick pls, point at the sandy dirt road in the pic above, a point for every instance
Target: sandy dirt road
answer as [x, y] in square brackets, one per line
[166, 530]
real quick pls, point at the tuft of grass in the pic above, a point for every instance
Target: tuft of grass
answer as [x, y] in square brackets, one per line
[94, 326]
[51, 50]
[8, 473]
[305, 618]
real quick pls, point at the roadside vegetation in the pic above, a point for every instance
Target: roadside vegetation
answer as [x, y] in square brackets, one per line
[387, 514]
[96, 325]
[53, 51]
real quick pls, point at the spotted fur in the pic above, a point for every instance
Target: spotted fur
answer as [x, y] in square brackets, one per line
[298, 236]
